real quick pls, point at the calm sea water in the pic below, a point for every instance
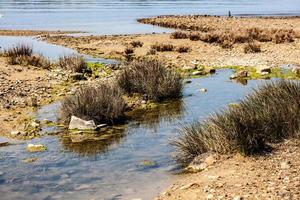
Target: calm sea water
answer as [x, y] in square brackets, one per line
[119, 16]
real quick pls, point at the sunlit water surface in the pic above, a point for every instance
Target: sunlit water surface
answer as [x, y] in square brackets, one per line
[113, 168]
[119, 16]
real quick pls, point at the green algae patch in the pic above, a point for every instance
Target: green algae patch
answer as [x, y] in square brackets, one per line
[99, 70]
[253, 74]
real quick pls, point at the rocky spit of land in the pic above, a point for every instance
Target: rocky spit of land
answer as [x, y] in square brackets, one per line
[281, 47]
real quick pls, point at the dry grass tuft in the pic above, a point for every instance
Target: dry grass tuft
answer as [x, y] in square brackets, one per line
[183, 49]
[270, 114]
[252, 47]
[73, 63]
[23, 55]
[151, 79]
[162, 47]
[136, 44]
[179, 35]
[102, 103]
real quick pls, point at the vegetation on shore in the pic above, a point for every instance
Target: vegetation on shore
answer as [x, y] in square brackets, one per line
[270, 114]
[23, 55]
[150, 79]
[102, 103]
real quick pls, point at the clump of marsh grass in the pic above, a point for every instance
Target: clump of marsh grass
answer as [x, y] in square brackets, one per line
[151, 79]
[270, 114]
[74, 63]
[102, 103]
[179, 35]
[129, 54]
[136, 43]
[252, 47]
[19, 50]
[22, 54]
[183, 49]
[163, 47]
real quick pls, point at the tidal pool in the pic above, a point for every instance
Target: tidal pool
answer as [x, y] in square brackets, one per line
[132, 161]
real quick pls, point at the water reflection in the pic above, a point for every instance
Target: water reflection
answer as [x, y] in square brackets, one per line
[241, 81]
[89, 144]
[163, 112]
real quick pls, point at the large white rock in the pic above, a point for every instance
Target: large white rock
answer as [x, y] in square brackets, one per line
[80, 124]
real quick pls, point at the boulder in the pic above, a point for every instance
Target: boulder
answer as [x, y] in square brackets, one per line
[203, 90]
[263, 70]
[80, 124]
[36, 148]
[201, 162]
[198, 73]
[239, 74]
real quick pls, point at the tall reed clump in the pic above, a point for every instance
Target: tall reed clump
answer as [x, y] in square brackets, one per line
[22, 54]
[151, 79]
[74, 63]
[270, 114]
[102, 103]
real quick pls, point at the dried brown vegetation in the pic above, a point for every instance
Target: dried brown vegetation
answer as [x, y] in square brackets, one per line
[23, 55]
[270, 114]
[136, 44]
[183, 49]
[179, 35]
[102, 103]
[73, 63]
[252, 47]
[222, 30]
[162, 47]
[151, 79]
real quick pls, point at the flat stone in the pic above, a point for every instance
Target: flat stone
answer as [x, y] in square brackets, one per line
[80, 124]
[198, 73]
[203, 90]
[36, 148]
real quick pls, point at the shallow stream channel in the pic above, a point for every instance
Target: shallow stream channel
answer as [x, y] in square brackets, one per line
[132, 161]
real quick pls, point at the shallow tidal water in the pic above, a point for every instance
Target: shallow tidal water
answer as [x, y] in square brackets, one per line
[135, 161]
[119, 16]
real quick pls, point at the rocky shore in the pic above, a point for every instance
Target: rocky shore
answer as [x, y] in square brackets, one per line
[270, 176]
[271, 54]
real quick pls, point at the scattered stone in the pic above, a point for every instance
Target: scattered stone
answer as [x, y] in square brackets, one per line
[239, 74]
[196, 168]
[210, 70]
[80, 124]
[187, 82]
[4, 144]
[203, 90]
[36, 148]
[17, 133]
[187, 186]
[198, 73]
[29, 160]
[285, 165]
[263, 70]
